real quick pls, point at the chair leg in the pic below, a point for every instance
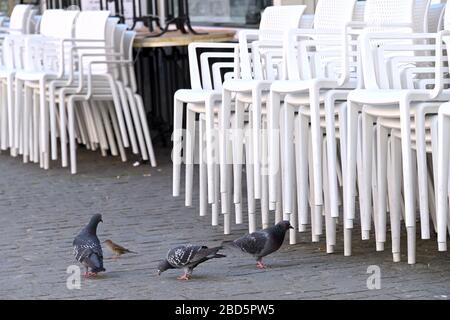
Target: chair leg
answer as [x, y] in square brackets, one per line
[443, 173]
[330, 222]
[302, 172]
[144, 124]
[137, 123]
[202, 170]
[264, 179]
[422, 173]
[288, 157]
[331, 164]
[190, 148]
[98, 120]
[395, 196]
[365, 193]
[256, 129]
[298, 176]
[410, 215]
[72, 143]
[44, 126]
[314, 237]
[250, 179]
[108, 129]
[212, 150]
[11, 113]
[4, 117]
[350, 182]
[53, 122]
[382, 148]
[115, 124]
[273, 122]
[238, 146]
[129, 122]
[177, 147]
[27, 107]
[119, 112]
[316, 147]
[36, 129]
[366, 219]
[216, 204]
[434, 169]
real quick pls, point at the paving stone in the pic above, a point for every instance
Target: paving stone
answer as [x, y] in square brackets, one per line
[41, 212]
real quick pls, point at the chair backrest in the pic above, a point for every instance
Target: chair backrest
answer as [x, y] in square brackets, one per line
[119, 32]
[279, 18]
[331, 14]
[93, 25]
[436, 17]
[275, 21]
[7, 53]
[447, 18]
[128, 72]
[110, 31]
[358, 13]
[58, 23]
[20, 18]
[211, 63]
[399, 62]
[389, 12]
[421, 10]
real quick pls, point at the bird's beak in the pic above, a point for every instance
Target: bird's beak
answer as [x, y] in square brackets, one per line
[291, 227]
[101, 220]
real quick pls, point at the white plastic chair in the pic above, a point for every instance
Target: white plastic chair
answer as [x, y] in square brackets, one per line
[203, 99]
[396, 94]
[303, 89]
[253, 84]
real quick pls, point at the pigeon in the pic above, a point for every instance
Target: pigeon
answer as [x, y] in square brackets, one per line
[116, 249]
[87, 248]
[262, 243]
[188, 257]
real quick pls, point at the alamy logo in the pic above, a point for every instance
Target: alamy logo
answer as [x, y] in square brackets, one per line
[74, 280]
[374, 280]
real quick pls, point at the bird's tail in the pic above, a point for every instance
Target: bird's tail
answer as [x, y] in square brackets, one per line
[129, 251]
[218, 255]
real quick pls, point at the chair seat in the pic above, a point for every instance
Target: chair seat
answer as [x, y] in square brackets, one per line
[385, 97]
[35, 75]
[241, 85]
[300, 99]
[194, 96]
[6, 73]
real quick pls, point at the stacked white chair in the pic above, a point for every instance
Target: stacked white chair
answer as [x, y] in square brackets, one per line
[80, 64]
[303, 93]
[392, 85]
[202, 99]
[20, 24]
[260, 54]
[353, 102]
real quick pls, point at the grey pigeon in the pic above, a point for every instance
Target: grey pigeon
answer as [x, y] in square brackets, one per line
[262, 243]
[87, 248]
[188, 257]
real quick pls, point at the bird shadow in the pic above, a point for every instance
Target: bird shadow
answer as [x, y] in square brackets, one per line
[104, 276]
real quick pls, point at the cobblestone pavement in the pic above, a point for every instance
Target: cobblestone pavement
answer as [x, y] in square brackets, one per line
[41, 211]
